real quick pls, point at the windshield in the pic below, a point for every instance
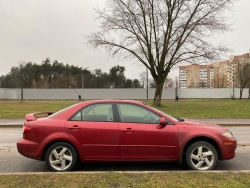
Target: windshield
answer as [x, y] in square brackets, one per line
[170, 117]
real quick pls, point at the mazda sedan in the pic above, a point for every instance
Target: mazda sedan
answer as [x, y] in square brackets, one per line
[121, 130]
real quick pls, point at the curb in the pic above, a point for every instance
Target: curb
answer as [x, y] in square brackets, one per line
[127, 172]
[11, 126]
[234, 125]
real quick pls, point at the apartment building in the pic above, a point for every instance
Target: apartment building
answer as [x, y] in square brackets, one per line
[216, 75]
[221, 79]
[196, 76]
[233, 63]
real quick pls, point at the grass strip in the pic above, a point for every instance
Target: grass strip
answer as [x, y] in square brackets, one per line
[168, 179]
[188, 108]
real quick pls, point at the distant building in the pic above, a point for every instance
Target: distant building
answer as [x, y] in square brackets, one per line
[196, 76]
[216, 75]
[233, 62]
[220, 77]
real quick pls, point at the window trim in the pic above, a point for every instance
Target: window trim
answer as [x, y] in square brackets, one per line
[117, 103]
[101, 103]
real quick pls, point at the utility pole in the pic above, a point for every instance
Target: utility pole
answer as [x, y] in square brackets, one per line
[233, 65]
[21, 79]
[82, 80]
[147, 81]
[233, 86]
[176, 86]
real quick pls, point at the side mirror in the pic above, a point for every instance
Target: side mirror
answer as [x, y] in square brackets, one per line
[163, 121]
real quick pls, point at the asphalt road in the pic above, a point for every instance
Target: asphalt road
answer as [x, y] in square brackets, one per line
[11, 161]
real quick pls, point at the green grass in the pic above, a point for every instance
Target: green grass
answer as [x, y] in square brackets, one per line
[206, 108]
[188, 108]
[168, 179]
[17, 109]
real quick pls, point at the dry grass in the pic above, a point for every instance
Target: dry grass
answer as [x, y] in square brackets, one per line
[168, 179]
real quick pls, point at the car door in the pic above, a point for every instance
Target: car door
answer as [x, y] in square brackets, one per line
[95, 129]
[141, 136]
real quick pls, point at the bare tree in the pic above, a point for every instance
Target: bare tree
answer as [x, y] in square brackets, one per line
[143, 79]
[220, 81]
[242, 74]
[169, 83]
[161, 33]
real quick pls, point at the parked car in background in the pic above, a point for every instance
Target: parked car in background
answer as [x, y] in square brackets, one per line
[121, 130]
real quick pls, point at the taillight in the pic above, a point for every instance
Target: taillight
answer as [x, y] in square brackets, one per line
[26, 129]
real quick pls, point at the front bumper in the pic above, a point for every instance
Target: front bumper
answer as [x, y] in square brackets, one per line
[228, 149]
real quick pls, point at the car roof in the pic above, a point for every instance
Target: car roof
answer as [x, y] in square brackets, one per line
[113, 100]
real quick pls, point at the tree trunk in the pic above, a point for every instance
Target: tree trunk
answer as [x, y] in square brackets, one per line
[158, 93]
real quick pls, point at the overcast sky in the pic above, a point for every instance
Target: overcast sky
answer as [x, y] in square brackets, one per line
[32, 30]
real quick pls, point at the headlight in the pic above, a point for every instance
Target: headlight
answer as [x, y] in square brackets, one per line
[228, 134]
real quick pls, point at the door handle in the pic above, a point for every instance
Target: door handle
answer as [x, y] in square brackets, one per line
[74, 127]
[129, 130]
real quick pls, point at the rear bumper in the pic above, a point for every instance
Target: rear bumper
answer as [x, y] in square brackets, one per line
[29, 149]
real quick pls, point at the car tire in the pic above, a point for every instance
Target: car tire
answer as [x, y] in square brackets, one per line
[201, 155]
[61, 156]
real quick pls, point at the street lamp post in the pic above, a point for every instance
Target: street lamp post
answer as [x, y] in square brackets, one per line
[233, 86]
[82, 80]
[21, 79]
[147, 81]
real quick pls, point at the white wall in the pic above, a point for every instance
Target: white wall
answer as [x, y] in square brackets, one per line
[118, 93]
[212, 93]
[8, 93]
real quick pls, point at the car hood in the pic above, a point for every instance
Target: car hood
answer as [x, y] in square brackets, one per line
[198, 124]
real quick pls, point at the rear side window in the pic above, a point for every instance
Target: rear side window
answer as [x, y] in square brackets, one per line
[97, 112]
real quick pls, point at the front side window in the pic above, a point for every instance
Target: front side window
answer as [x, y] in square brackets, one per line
[136, 114]
[97, 112]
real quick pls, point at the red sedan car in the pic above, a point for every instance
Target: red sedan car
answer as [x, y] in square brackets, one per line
[122, 130]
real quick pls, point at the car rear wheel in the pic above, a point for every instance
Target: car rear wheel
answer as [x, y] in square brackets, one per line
[201, 156]
[61, 156]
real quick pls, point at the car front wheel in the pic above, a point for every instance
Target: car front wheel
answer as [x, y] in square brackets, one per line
[201, 156]
[61, 157]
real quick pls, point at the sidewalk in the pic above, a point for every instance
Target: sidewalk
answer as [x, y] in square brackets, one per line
[223, 122]
[11, 122]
